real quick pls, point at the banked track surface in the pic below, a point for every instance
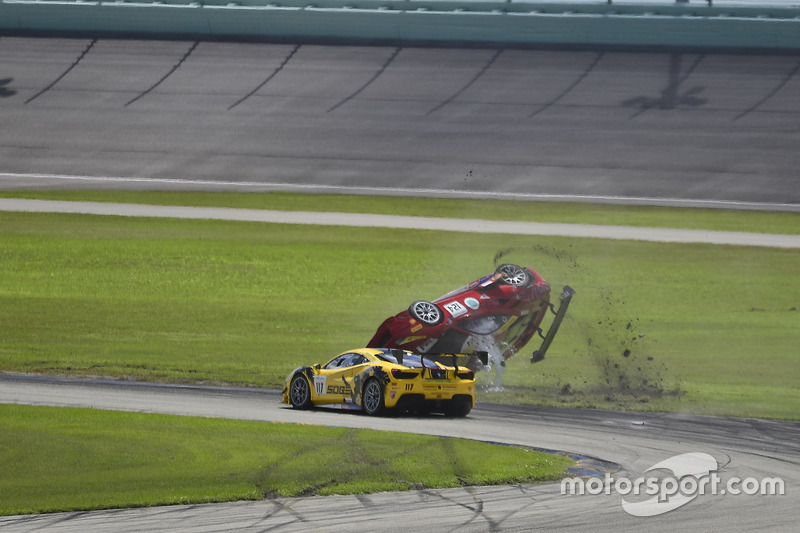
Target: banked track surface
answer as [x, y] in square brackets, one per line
[690, 125]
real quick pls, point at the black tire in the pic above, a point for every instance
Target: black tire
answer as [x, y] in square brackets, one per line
[514, 275]
[300, 393]
[372, 397]
[426, 312]
[458, 408]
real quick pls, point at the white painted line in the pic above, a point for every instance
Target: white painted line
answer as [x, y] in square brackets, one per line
[408, 222]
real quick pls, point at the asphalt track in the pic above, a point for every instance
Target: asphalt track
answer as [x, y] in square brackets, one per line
[677, 126]
[637, 441]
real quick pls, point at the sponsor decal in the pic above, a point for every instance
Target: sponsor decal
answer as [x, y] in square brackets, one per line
[406, 340]
[472, 303]
[416, 328]
[456, 309]
[339, 389]
[437, 386]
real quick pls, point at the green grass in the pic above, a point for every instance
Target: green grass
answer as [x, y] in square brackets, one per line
[697, 328]
[576, 213]
[67, 459]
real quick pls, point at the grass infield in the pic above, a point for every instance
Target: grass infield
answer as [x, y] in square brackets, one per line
[68, 459]
[677, 327]
[694, 328]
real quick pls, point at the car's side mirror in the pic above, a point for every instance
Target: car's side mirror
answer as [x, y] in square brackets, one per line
[317, 366]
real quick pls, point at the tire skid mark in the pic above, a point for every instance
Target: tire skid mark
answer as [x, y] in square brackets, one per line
[284, 507]
[268, 78]
[533, 501]
[569, 89]
[469, 84]
[476, 509]
[772, 93]
[63, 74]
[370, 81]
[167, 75]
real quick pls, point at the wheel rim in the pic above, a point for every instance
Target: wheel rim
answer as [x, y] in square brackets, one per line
[514, 275]
[299, 392]
[427, 312]
[372, 397]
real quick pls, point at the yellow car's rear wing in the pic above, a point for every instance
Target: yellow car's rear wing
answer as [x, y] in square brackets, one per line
[450, 359]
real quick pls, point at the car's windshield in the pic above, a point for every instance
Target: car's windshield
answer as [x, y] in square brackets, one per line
[452, 293]
[465, 288]
[346, 360]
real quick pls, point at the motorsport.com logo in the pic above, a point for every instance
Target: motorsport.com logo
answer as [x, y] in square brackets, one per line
[693, 474]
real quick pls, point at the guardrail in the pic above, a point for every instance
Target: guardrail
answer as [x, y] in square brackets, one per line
[598, 22]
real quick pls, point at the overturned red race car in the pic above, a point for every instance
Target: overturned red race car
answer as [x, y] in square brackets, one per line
[498, 313]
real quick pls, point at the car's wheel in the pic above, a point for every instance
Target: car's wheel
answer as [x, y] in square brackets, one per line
[514, 275]
[426, 312]
[300, 393]
[458, 407]
[372, 397]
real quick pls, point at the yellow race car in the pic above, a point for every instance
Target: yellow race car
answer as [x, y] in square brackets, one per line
[376, 379]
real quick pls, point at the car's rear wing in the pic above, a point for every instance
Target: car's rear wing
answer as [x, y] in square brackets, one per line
[450, 359]
[566, 296]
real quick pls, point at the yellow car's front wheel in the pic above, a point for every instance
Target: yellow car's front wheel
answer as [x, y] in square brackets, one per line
[300, 393]
[372, 397]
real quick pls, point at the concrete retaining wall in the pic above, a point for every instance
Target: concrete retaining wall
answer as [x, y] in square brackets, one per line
[482, 22]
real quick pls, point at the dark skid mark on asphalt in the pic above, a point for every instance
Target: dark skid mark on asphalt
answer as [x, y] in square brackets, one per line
[281, 507]
[569, 89]
[371, 80]
[476, 508]
[5, 92]
[670, 97]
[167, 75]
[469, 84]
[772, 93]
[69, 69]
[268, 78]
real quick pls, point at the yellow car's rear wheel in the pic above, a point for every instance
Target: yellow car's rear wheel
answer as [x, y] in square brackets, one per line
[372, 397]
[300, 393]
[458, 407]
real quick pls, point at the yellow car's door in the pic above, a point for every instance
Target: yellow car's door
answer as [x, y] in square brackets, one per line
[334, 382]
